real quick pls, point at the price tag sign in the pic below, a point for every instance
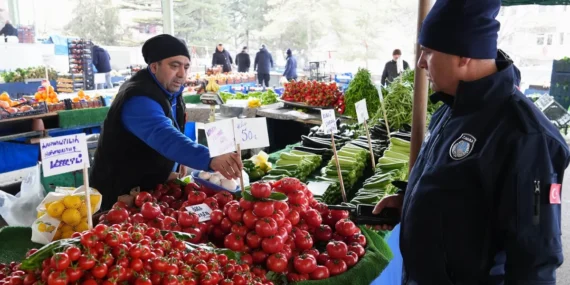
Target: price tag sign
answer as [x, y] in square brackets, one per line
[64, 154]
[318, 188]
[202, 210]
[48, 59]
[251, 133]
[361, 111]
[379, 88]
[220, 137]
[329, 120]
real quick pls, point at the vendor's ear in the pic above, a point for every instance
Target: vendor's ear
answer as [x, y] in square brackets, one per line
[154, 67]
[464, 61]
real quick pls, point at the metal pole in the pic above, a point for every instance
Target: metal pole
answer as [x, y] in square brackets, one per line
[420, 92]
[167, 17]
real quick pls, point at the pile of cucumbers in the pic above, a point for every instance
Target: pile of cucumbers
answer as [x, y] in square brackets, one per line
[352, 160]
[393, 166]
[296, 163]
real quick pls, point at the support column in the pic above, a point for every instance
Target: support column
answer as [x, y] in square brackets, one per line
[420, 92]
[168, 17]
[13, 12]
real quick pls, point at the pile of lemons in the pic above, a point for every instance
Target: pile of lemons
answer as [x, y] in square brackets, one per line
[72, 212]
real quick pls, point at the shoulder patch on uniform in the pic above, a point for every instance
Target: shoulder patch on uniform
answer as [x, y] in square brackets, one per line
[462, 146]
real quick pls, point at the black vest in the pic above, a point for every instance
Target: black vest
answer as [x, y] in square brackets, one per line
[123, 161]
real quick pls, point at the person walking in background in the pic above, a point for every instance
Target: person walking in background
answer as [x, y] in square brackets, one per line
[222, 57]
[9, 30]
[291, 67]
[263, 64]
[243, 61]
[394, 67]
[102, 62]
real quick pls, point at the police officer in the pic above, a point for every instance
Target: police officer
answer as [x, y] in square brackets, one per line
[142, 142]
[482, 204]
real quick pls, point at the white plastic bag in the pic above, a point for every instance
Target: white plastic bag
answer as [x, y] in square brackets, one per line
[20, 210]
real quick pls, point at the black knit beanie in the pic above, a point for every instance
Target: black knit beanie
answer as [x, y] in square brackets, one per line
[163, 46]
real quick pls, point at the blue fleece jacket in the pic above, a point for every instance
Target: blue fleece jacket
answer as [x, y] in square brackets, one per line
[144, 118]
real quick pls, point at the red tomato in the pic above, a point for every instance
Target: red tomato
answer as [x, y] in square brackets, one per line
[263, 209]
[313, 218]
[60, 261]
[277, 263]
[345, 227]
[186, 219]
[294, 217]
[143, 280]
[297, 197]
[320, 273]
[249, 219]
[216, 217]
[247, 259]
[88, 239]
[281, 206]
[74, 273]
[337, 215]
[239, 229]
[246, 205]
[266, 227]
[195, 232]
[260, 190]
[113, 239]
[358, 238]
[29, 279]
[337, 249]
[336, 266]
[287, 226]
[338, 237]
[136, 264]
[99, 271]
[156, 223]
[73, 252]
[259, 256]
[279, 217]
[313, 251]
[226, 225]
[357, 248]
[212, 203]
[57, 278]
[272, 244]
[227, 282]
[234, 242]
[150, 210]
[323, 258]
[196, 197]
[323, 233]
[288, 185]
[159, 265]
[305, 264]
[303, 240]
[169, 223]
[224, 198]
[86, 262]
[117, 215]
[350, 259]
[172, 269]
[235, 213]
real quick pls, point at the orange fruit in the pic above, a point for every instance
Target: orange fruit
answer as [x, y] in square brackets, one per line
[5, 97]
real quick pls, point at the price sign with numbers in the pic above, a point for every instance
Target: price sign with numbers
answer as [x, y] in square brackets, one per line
[202, 210]
[544, 101]
[220, 136]
[361, 111]
[251, 133]
[329, 120]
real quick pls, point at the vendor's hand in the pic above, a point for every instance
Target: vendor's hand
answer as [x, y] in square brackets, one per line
[172, 176]
[392, 201]
[182, 172]
[229, 165]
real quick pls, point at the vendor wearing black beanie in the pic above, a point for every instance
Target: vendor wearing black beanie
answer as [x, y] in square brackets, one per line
[142, 143]
[482, 203]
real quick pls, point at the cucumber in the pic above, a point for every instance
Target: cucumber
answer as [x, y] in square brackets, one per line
[377, 185]
[289, 167]
[399, 142]
[290, 156]
[397, 155]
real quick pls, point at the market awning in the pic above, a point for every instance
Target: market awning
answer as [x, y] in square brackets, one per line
[530, 2]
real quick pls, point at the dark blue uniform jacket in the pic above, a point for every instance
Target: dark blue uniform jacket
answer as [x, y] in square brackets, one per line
[477, 207]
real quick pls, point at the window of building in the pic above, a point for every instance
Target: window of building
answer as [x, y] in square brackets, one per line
[549, 39]
[540, 40]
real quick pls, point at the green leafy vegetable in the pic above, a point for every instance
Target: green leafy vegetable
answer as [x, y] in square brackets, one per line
[361, 87]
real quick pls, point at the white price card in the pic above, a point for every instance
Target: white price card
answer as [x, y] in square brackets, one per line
[202, 210]
[379, 89]
[543, 102]
[64, 154]
[329, 120]
[318, 188]
[220, 137]
[251, 133]
[361, 111]
[48, 59]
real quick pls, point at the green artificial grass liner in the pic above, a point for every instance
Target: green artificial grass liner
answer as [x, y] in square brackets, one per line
[376, 259]
[15, 242]
[81, 117]
[192, 99]
[71, 179]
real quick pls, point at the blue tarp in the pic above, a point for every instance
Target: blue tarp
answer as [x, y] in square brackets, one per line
[60, 43]
[18, 88]
[15, 156]
[393, 272]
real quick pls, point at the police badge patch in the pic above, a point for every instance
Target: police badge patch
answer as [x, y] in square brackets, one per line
[462, 146]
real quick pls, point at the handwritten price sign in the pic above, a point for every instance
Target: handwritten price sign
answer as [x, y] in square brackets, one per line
[63, 154]
[220, 137]
[251, 133]
[329, 120]
[361, 111]
[202, 210]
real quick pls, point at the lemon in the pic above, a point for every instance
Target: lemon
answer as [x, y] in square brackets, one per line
[47, 204]
[67, 234]
[83, 226]
[55, 209]
[57, 235]
[94, 199]
[42, 228]
[83, 210]
[72, 202]
[65, 227]
[71, 217]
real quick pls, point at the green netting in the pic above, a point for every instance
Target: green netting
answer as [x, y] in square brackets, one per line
[82, 117]
[535, 2]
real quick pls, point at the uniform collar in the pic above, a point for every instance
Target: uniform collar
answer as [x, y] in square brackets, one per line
[475, 95]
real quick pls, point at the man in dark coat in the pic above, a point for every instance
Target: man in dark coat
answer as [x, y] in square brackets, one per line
[222, 57]
[482, 203]
[243, 61]
[102, 62]
[263, 65]
[291, 67]
[142, 143]
[391, 69]
[9, 30]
